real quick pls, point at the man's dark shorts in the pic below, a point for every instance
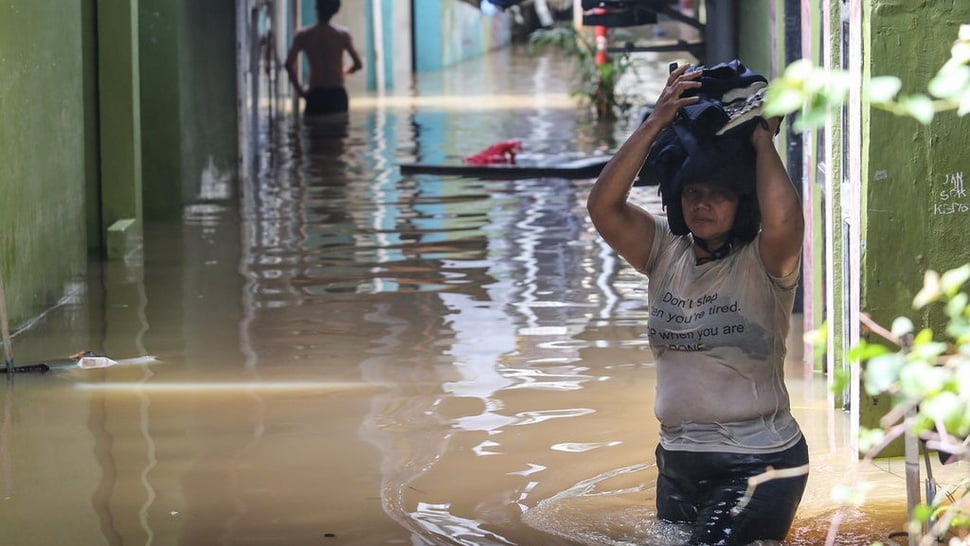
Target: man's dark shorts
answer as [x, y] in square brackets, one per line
[700, 489]
[326, 100]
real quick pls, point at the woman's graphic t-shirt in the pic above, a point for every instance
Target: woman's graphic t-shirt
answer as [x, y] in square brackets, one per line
[718, 333]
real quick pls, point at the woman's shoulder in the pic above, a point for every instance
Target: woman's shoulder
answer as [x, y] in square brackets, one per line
[666, 246]
[750, 255]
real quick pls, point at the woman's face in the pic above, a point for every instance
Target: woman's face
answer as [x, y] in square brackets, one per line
[709, 210]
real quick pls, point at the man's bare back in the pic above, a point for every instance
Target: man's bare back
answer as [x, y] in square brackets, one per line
[324, 45]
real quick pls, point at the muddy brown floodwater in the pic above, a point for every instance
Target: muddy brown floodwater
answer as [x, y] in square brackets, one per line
[334, 353]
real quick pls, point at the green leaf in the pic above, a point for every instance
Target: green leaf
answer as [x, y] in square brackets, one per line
[923, 337]
[960, 52]
[929, 350]
[883, 88]
[959, 331]
[962, 377]
[953, 280]
[812, 117]
[845, 495]
[870, 438]
[919, 379]
[902, 326]
[817, 337]
[964, 104]
[840, 381]
[957, 306]
[946, 408]
[950, 82]
[922, 513]
[882, 372]
[782, 100]
[864, 351]
[931, 290]
[919, 107]
[799, 71]
[837, 85]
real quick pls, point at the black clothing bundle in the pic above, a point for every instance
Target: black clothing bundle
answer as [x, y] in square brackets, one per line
[710, 141]
[724, 88]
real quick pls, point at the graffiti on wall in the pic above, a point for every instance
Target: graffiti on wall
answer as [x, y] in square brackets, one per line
[953, 198]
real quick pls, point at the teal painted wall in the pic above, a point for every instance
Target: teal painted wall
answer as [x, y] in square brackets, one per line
[450, 31]
[427, 35]
[42, 153]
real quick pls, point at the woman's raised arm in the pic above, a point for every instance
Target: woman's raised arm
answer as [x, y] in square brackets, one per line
[626, 227]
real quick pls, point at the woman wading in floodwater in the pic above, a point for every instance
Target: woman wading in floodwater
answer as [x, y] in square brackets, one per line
[722, 271]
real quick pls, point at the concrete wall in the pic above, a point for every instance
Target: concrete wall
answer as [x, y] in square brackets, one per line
[43, 154]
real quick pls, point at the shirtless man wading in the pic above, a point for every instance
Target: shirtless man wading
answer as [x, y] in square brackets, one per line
[324, 45]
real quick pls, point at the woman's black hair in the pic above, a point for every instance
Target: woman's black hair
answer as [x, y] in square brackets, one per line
[724, 162]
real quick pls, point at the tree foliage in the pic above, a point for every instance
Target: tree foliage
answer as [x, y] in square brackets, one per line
[812, 91]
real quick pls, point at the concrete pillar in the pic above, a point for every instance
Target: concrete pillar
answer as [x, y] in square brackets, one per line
[120, 113]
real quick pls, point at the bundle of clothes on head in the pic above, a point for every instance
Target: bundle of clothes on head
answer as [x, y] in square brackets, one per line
[711, 139]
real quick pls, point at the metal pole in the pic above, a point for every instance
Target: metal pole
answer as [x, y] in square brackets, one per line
[253, 36]
[296, 22]
[912, 473]
[720, 32]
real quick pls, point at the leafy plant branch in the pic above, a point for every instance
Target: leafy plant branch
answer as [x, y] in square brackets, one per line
[928, 381]
[596, 82]
[813, 91]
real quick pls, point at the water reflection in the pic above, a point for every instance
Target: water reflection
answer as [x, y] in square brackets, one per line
[347, 355]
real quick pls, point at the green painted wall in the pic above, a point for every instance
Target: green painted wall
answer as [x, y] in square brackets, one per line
[87, 137]
[832, 162]
[756, 47]
[160, 115]
[917, 217]
[189, 102]
[207, 86]
[119, 107]
[916, 211]
[92, 145]
[42, 153]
